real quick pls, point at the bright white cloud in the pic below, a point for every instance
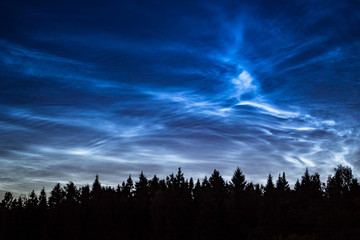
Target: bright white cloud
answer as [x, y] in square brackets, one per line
[244, 83]
[269, 109]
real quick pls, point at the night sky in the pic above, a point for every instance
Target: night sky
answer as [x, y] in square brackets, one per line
[119, 87]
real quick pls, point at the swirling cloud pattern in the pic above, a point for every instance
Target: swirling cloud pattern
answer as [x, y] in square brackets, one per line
[116, 88]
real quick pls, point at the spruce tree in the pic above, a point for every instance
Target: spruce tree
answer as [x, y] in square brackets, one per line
[129, 187]
[269, 188]
[179, 179]
[96, 187]
[71, 192]
[216, 181]
[42, 199]
[32, 201]
[57, 196]
[141, 186]
[238, 182]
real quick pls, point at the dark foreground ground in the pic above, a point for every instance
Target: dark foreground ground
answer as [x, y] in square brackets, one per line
[175, 208]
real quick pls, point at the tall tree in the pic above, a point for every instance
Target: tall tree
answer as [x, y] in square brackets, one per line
[42, 199]
[21, 201]
[7, 201]
[282, 184]
[216, 181]
[205, 182]
[57, 195]
[191, 185]
[154, 185]
[85, 194]
[341, 182]
[269, 188]
[310, 185]
[141, 186]
[96, 187]
[305, 179]
[71, 193]
[128, 189]
[179, 179]
[316, 183]
[238, 182]
[32, 201]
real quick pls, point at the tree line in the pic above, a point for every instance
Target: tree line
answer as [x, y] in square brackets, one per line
[179, 208]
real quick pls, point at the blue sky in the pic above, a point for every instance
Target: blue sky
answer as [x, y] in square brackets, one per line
[119, 87]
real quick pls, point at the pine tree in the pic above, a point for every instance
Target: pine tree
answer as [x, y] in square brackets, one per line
[85, 194]
[198, 184]
[171, 181]
[205, 182]
[141, 186]
[32, 201]
[21, 201]
[179, 179]
[216, 180]
[316, 183]
[310, 185]
[154, 185]
[71, 192]
[129, 187]
[42, 199]
[269, 185]
[282, 184]
[57, 196]
[96, 187]
[238, 182]
[305, 179]
[191, 187]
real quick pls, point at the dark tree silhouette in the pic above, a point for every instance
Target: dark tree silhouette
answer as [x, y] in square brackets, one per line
[57, 196]
[128, 188]
[42, 199]
[282, 184]
[72, 194]
[310, 186]
[7, 201]
[85, 194]
[20, 204]
[154, 185]
[176, 208]
[141, 186]
[179, 180]
[205, 182]
[305, 179]
[297, 185]
[238, 182]
[32, 201]
[269, 188]
[216, 181]
[341, 182]
[96, 187]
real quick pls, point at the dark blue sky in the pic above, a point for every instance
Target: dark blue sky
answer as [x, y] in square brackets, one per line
[119, 87]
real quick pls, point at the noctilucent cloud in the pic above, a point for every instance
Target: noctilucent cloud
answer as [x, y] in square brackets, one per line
[119, 87]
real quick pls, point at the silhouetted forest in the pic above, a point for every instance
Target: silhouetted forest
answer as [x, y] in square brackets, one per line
[179, 208]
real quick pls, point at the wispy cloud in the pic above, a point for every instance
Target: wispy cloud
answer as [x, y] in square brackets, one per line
[262, 87]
